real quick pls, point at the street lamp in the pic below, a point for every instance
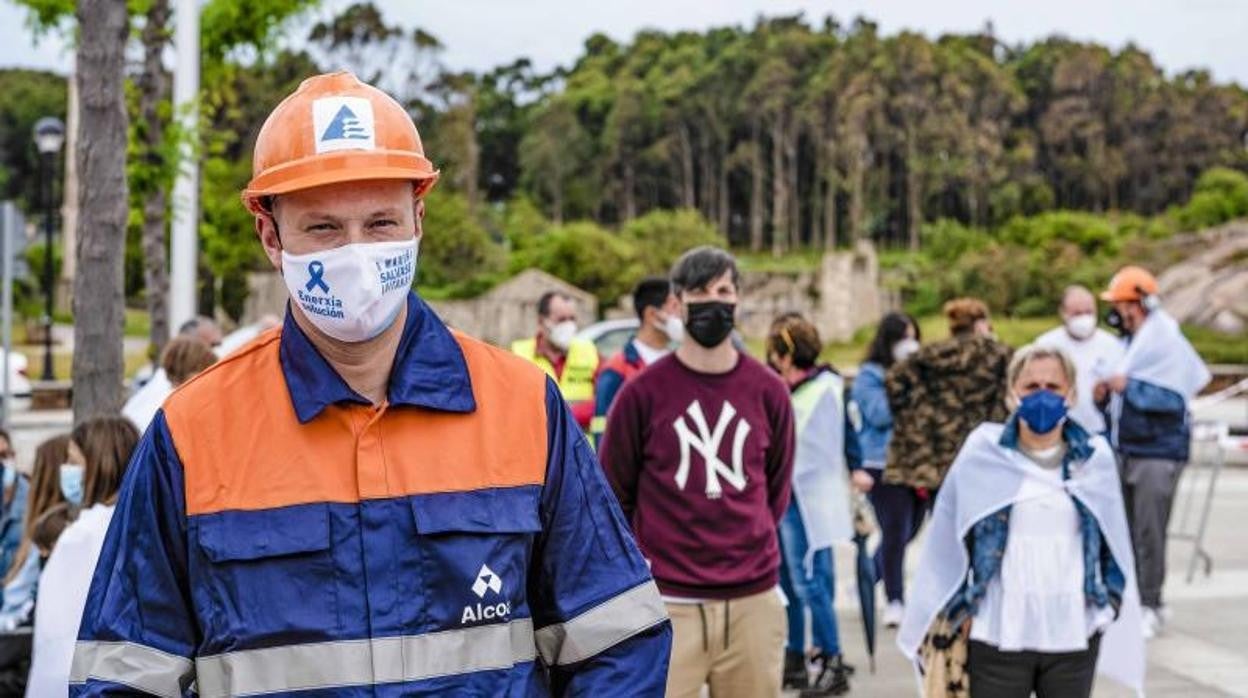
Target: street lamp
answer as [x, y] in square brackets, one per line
[49, 137]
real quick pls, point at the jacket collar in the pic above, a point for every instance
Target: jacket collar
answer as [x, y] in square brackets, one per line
[1078, 441]
[429, 368]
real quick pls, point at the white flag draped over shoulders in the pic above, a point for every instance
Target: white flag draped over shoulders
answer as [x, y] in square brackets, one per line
[985, 477]
[1161, 355]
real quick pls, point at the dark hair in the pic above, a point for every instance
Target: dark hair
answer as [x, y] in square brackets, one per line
[184, 357]
[543, 303]
[794, 336]
[698, 267]
[651, 292]
[51, 523]
[892, 329]
[963, 313]
[45, 493]
[106, 444]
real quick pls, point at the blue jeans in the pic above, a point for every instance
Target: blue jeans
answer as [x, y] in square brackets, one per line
[814, 592]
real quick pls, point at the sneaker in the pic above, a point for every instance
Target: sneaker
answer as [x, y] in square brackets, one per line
[1150, 623]
[833, 678]
[1166, 614]
[893, 613]
[795, 673]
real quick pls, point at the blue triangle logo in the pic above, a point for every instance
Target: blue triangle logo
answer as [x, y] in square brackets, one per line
[345, 125]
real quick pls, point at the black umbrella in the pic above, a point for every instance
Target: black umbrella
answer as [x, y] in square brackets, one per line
[864, 526]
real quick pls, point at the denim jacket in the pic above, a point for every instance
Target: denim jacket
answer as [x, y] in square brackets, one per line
[1103, 580]
[874, 423]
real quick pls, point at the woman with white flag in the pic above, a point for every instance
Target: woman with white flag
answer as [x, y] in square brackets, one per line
[828, 459]
[1026, 582]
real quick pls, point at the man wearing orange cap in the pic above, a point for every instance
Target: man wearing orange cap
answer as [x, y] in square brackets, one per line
[1148, 397]
[386, 507]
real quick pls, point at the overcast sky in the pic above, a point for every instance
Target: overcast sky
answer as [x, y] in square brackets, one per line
[480, 34]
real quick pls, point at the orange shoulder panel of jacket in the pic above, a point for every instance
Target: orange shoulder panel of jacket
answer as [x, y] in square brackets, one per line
[242, 447]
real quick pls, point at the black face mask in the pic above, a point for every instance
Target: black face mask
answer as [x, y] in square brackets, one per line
[710, 323]
[1113, 318]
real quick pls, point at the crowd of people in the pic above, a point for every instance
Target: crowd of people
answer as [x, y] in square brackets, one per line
[408, 507]
[1041, 469]
[54, 518]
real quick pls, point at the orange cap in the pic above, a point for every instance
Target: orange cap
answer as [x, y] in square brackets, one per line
[335, 128]
[1130, 284]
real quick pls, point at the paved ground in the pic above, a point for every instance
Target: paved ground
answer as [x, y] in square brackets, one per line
[1202, 653]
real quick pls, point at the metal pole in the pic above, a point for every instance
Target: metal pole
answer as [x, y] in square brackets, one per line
[185, 228]
[49, 280]
[8, 222]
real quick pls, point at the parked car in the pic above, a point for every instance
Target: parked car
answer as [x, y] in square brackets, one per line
[19, 381]
[610, 336]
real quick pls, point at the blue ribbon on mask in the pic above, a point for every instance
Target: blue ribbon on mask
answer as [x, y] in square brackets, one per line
[316, 277]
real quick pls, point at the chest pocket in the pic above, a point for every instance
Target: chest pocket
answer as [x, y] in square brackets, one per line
[476, 548]
[267, 576]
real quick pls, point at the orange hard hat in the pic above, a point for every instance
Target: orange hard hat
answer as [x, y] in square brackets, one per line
[1130, 284]
[333, 129]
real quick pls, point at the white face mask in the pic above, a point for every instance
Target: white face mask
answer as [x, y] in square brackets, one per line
[561, 334]
[1081, 326]
[905, 349]
[354, 292]
[674, 327]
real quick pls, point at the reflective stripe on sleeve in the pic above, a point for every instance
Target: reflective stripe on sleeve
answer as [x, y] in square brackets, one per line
[602, 626]
[129, 664]
[366, 662]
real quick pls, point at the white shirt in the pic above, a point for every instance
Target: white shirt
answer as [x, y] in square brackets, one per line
[142, 406]
[1095, 359]
[63, 588]
[648, 353]
[1036, 601]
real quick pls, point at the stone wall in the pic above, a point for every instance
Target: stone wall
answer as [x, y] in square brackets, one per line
[841, 297]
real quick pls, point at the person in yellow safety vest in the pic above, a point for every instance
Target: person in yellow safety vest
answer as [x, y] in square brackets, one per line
[571, 362]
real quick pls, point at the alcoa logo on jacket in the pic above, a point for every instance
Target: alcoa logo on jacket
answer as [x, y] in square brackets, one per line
[488, 582]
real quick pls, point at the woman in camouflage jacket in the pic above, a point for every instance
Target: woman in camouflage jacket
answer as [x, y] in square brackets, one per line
[941, 393]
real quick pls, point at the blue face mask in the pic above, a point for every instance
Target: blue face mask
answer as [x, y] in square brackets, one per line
[10, 474]
[1043, 411]
[71, 483]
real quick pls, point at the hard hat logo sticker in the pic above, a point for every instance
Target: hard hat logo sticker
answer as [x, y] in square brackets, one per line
[343, 123]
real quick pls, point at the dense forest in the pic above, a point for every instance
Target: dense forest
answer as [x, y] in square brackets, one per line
[793, 133]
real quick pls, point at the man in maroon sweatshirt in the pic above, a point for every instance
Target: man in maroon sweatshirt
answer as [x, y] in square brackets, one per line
[699, 450]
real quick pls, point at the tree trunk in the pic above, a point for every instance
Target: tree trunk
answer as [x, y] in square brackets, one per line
[725, 215]
[816, 197]
[831, 182]
[857, 192]
[779, 193]
[69, 203]
[795, 208]
[98, 365]
[688, 194]
[706, 166]
[629, 184]
[756, 189]
[914, 195]
[153, 86]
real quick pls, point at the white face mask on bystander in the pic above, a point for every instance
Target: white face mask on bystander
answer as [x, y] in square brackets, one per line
[1081, 326]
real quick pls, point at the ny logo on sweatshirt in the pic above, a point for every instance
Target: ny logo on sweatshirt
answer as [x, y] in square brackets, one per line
[707, 442]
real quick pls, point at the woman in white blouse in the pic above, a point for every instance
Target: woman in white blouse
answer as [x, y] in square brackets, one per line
[1028, 552]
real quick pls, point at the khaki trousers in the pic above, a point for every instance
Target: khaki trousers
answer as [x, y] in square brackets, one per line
[737, 647]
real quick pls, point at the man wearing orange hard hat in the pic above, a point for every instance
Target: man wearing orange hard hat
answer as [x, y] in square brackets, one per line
[361, 499]
[1149, 424]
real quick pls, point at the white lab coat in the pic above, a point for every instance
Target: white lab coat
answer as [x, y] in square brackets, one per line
[63, 588]
[986, 477]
